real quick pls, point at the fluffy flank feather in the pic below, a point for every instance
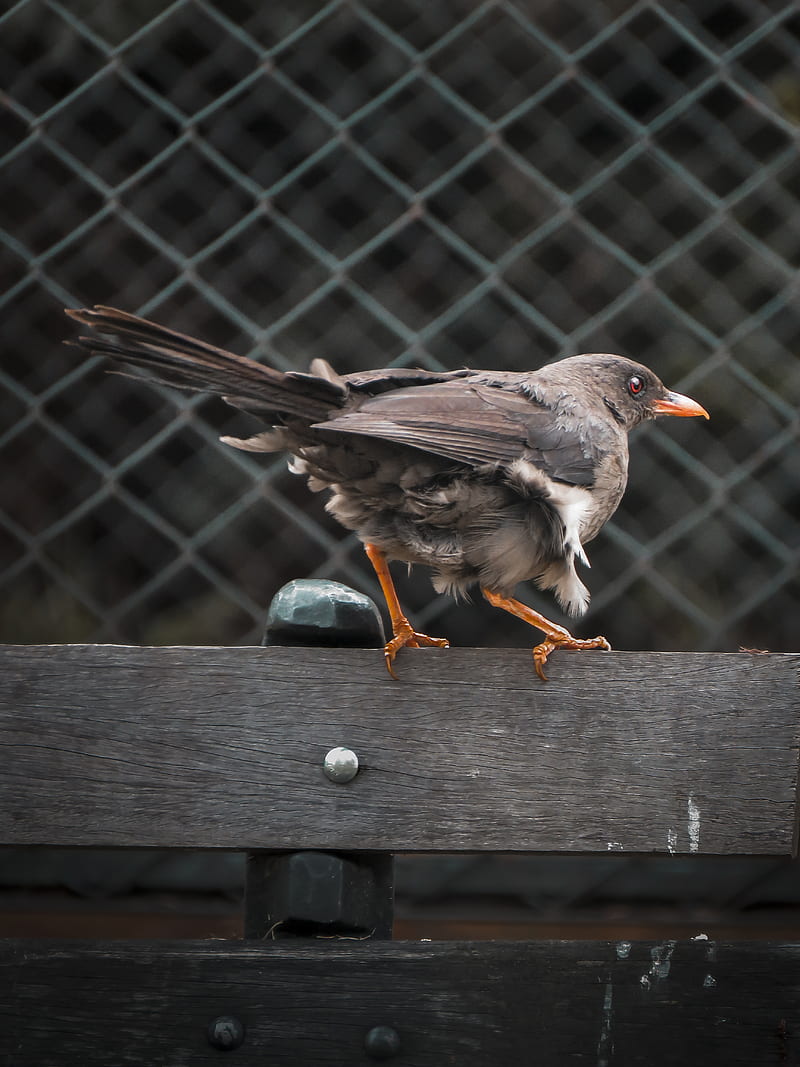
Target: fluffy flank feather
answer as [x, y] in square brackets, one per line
[269, 441]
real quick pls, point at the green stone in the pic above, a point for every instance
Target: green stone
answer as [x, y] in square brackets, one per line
[315, 611]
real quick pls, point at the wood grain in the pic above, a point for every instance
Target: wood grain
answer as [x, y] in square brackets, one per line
[548, 1003]
[223, 748]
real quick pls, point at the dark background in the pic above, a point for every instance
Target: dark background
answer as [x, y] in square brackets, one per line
[397, 183]
[406, 183]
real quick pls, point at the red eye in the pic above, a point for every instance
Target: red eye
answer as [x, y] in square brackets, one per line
[635, 385]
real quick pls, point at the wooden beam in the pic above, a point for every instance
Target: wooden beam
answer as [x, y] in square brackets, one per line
[693, 1004]
[223, 748]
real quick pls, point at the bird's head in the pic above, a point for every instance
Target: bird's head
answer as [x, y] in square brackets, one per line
[628, 390]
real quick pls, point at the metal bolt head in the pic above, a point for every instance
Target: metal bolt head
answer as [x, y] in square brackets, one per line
[340, 765]
[382, 1043]
[226, 1032]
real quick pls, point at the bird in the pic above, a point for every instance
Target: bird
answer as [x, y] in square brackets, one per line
[489, 478]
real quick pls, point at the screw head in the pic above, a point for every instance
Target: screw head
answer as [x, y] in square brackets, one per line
[226, 1032]
[340, 765]
[382, 1043]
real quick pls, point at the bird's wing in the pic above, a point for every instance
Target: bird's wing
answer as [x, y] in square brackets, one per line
[374, 382]
[474, 424]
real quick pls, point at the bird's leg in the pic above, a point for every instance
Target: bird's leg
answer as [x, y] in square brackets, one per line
[555, 636]
[403, 634]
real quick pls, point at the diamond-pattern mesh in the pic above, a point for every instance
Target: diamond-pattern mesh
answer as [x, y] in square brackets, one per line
[488, 184]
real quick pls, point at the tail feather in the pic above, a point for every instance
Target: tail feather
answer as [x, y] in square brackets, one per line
[175, 359]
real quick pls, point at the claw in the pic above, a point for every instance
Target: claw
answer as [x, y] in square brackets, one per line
[550, 644]
[406, 637]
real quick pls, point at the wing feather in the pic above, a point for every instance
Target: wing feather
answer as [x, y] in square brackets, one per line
[474, 425]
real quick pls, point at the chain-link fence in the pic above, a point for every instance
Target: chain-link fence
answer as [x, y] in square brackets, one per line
[486, 184]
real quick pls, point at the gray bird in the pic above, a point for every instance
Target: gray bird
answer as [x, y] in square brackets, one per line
[489, 478]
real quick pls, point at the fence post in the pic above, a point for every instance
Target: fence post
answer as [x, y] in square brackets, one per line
[309, 893]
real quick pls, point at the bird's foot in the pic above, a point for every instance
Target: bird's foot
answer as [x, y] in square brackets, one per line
[554, 641]
[405, 636]
[555, 636]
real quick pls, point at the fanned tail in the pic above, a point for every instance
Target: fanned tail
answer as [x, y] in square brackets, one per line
[175, 359]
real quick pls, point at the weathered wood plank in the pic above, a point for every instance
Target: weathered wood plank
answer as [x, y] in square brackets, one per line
[549, 1003]
[223, 748]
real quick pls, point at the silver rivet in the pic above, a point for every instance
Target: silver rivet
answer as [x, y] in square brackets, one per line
[341, 765]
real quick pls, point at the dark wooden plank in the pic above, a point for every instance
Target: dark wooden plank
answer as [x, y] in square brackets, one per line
[548, 1003]
[223, 748]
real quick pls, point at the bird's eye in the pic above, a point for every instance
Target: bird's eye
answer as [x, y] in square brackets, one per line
[635, 385]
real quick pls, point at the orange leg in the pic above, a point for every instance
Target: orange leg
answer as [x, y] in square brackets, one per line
[555, 636]
[403, 634]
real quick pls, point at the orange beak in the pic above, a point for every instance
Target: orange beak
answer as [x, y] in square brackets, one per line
[677, 404]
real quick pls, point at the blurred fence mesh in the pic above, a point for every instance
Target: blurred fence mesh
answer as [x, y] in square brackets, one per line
[493, 184]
